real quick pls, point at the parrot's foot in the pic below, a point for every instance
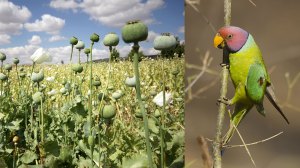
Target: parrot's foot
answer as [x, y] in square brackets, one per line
[224, 100]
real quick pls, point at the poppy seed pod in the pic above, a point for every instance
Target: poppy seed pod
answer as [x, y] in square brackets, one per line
[79, 45]
[97, 82]
[73, 40]
[109, 111]
[164, 42]
[131, 82]
[77, 68]
[8, 67]
[3, 77]
[2, 56]
[37, 77]
[134, 31]
[111, 39]
[117, 94]
[16, 61]
[87, 51]
[94, 37]
[37, 97]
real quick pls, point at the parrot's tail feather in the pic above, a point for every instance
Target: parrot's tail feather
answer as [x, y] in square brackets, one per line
[271, 96]
[240, 112]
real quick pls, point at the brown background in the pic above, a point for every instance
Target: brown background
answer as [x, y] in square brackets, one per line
[275, 25]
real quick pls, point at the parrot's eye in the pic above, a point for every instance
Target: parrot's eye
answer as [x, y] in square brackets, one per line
[229, 36]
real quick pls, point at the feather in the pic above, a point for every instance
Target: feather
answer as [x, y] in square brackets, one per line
[271, 96]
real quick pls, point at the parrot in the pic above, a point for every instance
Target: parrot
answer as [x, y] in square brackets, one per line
[248, 74]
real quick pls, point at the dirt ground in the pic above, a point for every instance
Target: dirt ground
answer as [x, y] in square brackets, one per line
[275, 26]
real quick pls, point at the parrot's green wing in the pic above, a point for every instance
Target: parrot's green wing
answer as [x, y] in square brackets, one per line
[256, 83]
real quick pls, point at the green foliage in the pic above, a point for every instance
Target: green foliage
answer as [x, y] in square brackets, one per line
[141, 55]
[117, 141]
[115, 55]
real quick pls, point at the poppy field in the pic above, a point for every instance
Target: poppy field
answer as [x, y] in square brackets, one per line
[86, 114]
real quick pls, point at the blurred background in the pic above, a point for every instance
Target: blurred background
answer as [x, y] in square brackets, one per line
[275, 26]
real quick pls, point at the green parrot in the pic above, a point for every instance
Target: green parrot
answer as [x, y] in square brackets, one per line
[248, 74]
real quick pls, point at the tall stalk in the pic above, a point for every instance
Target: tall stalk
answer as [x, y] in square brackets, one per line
[217, 144]
[142, 106]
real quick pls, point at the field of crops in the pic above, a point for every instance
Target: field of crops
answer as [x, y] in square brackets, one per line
[45, 121]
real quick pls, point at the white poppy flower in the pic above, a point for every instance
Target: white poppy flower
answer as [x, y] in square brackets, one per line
[52, 92]
[40, 56]
[50, 79]
[158, 99]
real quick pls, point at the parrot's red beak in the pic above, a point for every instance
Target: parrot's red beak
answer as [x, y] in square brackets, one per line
[219, 41]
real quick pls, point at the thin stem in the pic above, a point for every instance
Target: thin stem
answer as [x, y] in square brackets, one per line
[217, 144]
[91, 97]
[142, 107]
[162, 133]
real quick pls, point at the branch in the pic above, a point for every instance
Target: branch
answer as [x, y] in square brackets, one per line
[253, 143]
[222, 108]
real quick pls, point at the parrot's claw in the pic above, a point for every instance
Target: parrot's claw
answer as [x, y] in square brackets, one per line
[224, 100]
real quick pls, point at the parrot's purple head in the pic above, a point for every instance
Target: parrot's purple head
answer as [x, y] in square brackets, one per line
[231, 37]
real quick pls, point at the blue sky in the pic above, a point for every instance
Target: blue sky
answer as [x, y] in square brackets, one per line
[27, 25]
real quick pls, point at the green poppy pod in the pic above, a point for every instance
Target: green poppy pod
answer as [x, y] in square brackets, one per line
[87, 51]
[37, 97]
[37, 77]
[131, 82]
[2, 57]
[175, 71]
[97, 82]
[8, 67]
[80, 45]
[73, 40]
[16, 61]
[22, 75]
[94, 37]
[134, 31]
[109, 111]
[111, 39]
[77, 68]
[117, 94]
[3, 77]
[164, 42]
[91, 141]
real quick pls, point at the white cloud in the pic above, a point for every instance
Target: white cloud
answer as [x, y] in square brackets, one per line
[12, 18]
[11, 13]
[56, 38]
[48, 24]
[151, 36]
[104, 11]
[66, 4]
[150, 51]
[22, 52]
[4, 39]
[35, 40]
[181, 29]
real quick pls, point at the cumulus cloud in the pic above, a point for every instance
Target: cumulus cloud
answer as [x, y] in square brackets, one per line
[35, 40]
[12, 18]
[49, 24]
[151, 36]
[56, 38]
[104, 11]
[11, 13]
[66, 4]
[22, 52]
[4, 39]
